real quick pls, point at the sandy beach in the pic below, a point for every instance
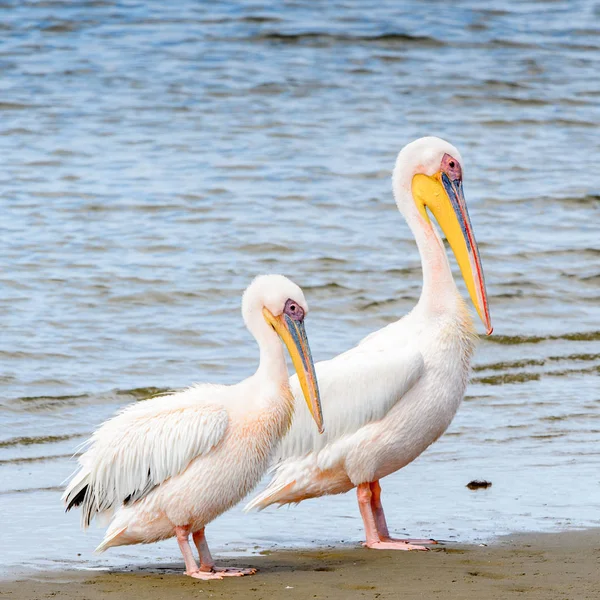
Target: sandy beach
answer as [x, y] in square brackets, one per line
[561, 566]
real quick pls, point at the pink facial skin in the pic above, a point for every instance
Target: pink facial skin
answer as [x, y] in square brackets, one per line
[451, 167]
[294, 310]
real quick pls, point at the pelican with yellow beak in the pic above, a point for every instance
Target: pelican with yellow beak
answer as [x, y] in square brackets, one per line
[170, 465]
[387, 399]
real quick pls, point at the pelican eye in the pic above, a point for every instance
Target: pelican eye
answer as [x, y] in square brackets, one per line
[451, 167]
[294, 310]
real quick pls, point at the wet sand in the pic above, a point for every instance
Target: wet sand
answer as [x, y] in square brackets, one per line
[536, 566]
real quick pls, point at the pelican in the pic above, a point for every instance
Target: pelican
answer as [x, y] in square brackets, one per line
[170, 465]
[387, 399]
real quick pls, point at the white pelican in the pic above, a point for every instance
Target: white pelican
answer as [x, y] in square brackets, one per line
[170, 465]
[387, 399]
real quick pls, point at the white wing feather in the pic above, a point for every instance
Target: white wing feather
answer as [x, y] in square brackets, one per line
[357, 388]
[144, 445]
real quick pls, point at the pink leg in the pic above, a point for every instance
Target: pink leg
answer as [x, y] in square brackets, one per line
[191, 568]
[207, 564]
[363, 492]
[374, 540]
[382, 528]
[377, 508]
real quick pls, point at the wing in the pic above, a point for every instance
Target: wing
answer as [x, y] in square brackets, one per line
[143, 446]
[357, 388]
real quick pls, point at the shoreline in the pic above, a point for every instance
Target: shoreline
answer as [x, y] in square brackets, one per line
[539, 565]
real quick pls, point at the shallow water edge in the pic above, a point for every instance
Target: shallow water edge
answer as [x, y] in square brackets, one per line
[542, 566]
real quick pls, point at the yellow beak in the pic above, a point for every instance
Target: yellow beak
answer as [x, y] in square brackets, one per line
[293, 335]
[444, 198]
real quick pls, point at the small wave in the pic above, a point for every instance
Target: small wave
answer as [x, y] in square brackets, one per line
[512, 340]
[505, 43]
[143, 393]
[592, 199]
[379, 303]
[62, 27]
[497, 83]
[329, 38]
[505, 99]
[44, 163]
[507, 378]
[587, 252]
[534, 362]
[549, 436]
[585, 199]
[515, 364]
[144, 298]
[47, 401]
[44, 439]
[266, 248]
[34, 459]
[39, 403]
[53, 488]
[331, 285]
[568, 417]
[18, 131]
[330, 260]
[536, 122]
[571, 372]
[525, 377]
[260, 19]
[18, 106]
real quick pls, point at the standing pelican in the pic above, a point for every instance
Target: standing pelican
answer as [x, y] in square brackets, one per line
[170, 465]
[386, 400]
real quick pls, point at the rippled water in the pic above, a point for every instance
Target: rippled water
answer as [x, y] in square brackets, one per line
[154, 159]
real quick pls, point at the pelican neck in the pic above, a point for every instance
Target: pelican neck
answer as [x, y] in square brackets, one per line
[272, 365]
[439, 292]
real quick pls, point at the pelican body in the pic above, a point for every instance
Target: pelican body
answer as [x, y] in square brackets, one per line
[170, 465]
[387, 399]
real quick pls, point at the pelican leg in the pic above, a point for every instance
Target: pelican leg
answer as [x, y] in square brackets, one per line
[367, 501]
[364, 495]
[191, 568]
[381, 523]
[377, 508]
[207, 564]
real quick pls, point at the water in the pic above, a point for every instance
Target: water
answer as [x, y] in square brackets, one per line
[154, 160]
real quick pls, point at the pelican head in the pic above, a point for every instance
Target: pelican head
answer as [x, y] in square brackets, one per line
[280, 303]
[428, 177]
